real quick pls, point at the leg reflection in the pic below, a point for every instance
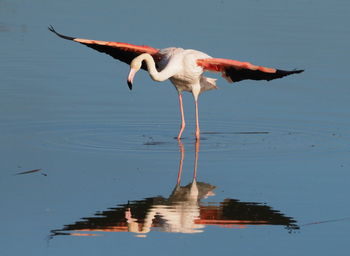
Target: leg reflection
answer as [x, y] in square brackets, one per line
[183, 211]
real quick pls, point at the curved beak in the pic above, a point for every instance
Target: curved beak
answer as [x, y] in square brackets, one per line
[131, 77]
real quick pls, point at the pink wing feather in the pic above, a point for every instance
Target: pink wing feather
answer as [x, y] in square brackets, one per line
[122, 51]
[234, 71]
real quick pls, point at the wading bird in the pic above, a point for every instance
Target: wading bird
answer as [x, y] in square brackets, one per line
[184, 68]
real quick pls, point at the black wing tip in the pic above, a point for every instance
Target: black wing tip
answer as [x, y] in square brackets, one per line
[297, 71]
[286, 73]
[50, 27]
[58, 34]
[237, 75]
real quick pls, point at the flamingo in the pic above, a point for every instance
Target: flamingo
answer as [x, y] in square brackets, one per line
[183, 211]
[183, 67]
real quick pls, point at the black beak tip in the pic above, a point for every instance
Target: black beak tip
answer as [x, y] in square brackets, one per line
[130, 85]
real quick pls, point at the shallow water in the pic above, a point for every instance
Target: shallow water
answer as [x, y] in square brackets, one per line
[89, 167]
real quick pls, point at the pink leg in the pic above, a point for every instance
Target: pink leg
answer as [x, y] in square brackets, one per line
[182, 151]
[183, 124]
[196, 160]
[197, 122]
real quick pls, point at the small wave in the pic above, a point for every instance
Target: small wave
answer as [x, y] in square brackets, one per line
[243, 137]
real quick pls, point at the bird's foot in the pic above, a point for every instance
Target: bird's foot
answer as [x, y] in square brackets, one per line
[180, 134]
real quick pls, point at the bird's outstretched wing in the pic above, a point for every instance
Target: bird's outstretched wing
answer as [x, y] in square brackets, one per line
[121, 51]
[235, 71]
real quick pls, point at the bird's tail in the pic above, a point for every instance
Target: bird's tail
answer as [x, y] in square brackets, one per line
[207, 84]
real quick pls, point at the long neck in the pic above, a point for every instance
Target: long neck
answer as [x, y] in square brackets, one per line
[151, 65]
[151, 68]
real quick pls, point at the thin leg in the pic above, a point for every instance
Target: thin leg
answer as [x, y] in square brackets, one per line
[183, 124]
[196, 160]
[182, 151]
[197, 121]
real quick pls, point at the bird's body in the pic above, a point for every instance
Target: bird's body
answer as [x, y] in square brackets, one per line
[180, 67]
[183, 67]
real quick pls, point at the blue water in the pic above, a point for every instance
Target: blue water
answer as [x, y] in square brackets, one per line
[84, 161]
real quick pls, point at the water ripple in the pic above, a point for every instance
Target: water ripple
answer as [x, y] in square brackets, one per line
[246, 137]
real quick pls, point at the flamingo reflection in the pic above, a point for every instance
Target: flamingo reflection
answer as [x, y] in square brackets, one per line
[183, 211]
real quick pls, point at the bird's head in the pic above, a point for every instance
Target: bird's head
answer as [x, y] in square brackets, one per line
[135, 66]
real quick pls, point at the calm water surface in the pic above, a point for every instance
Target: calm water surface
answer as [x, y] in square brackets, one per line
[88, 167]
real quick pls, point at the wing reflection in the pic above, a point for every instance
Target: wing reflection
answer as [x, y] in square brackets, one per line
[183, 211]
